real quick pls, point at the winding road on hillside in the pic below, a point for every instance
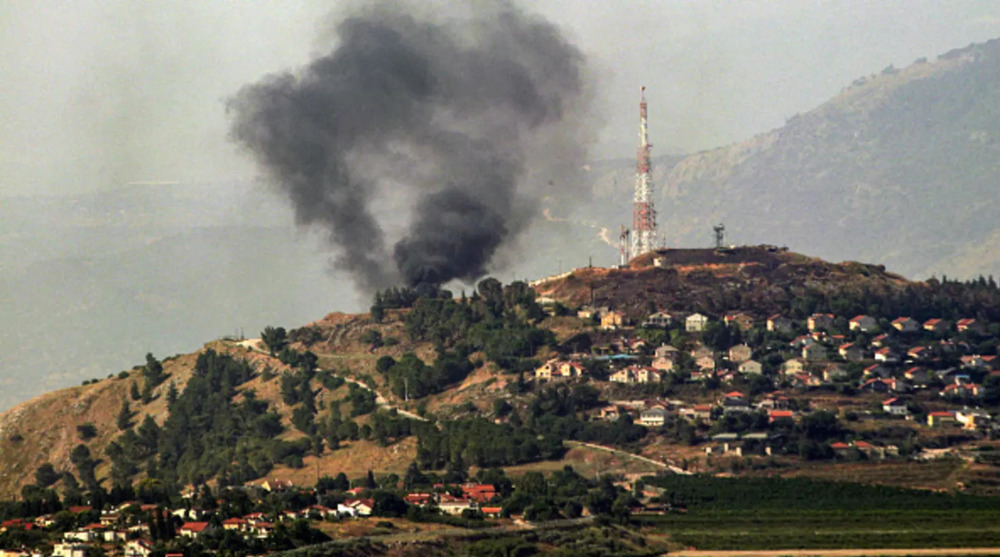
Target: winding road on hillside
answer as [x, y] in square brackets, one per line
[619, 452]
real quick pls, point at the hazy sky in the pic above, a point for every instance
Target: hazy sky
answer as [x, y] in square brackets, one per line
[101, 93]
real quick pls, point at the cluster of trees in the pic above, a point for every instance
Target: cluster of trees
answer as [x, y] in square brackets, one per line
[206, 434]
[497, 320]
[484, 444]
[409, 377]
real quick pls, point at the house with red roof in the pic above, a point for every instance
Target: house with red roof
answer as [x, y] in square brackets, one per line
[936, 325]
[491, 512]
[780, 323]
[773, 415]
[480, 493]
[940, 419]
[419, 499]
[820, 321]
[863, 323]
[961, 390]
[886, 355]
[196, 529]
[906, 324]
[971, 326]
[851, 352]
[237, 524]
[894, 407]
[356, 507]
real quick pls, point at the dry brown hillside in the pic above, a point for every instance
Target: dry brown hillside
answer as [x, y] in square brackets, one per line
[44, 429]
[757, 279]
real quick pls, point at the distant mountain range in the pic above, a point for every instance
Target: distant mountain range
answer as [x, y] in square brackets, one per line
[900, 168]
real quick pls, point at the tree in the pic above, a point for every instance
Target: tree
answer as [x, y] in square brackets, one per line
[124, 420]
[370, 481]
[172, 394]
[46, 475]
[80, 457]
[134, 391]
[86, 431]
[275, 338]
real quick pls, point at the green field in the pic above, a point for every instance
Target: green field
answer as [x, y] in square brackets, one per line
[775, 513]
[828, 529]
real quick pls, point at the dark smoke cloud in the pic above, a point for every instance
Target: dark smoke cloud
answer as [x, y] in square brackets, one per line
[446, 115]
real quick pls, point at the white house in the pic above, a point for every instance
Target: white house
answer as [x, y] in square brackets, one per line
[695, 323]
[894, 407]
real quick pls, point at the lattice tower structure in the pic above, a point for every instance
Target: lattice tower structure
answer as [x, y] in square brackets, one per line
[643, 213]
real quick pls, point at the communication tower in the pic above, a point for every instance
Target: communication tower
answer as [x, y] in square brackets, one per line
[623, 246]
[643, 213]
[720, 232]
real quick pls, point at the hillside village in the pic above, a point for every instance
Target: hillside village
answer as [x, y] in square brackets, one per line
[490, 403]
[931, 374]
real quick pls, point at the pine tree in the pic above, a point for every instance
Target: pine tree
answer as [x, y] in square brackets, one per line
[124, 419]
[370, 481]
[134, 391]
[172, 394]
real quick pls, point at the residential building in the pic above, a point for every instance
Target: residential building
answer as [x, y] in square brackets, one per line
[654, 416]
[886, 355]
[780, 323]
[741, 320]
[851, 352]
[906, 324]
[751, 367]
[793, 366]
[835, 372]
[936, 326]
[196, 529]
[820, 322]
[894, 406]
[740, 353]
[863, 323]
[695, 323]
[814, 352]
[940, 419]
[666, 351]
[970, 325]
[658, 320]
[663, 364]
[613, 320]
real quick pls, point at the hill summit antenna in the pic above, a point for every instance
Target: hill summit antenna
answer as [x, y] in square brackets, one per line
[720, 232]
[643, 214]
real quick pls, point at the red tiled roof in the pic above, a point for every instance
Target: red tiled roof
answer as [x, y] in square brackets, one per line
[194, 526]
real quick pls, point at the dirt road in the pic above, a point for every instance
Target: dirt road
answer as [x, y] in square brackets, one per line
[626, 454]
[939, 552]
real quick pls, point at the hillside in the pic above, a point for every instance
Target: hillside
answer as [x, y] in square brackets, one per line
[240, 414]
[899, 169]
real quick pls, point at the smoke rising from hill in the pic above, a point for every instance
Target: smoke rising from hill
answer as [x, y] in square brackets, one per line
[447, 115]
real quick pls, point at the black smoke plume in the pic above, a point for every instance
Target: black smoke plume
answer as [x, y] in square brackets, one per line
[438, 118]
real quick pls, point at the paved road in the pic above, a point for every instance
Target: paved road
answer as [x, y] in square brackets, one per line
[939, 552]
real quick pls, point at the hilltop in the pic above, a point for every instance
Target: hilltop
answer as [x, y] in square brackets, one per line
[758, 279]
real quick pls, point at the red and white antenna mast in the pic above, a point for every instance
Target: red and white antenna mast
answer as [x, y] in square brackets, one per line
[643, 214]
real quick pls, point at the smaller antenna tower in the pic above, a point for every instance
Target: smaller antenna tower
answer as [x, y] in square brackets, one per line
[720, 232]
[623, 247]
